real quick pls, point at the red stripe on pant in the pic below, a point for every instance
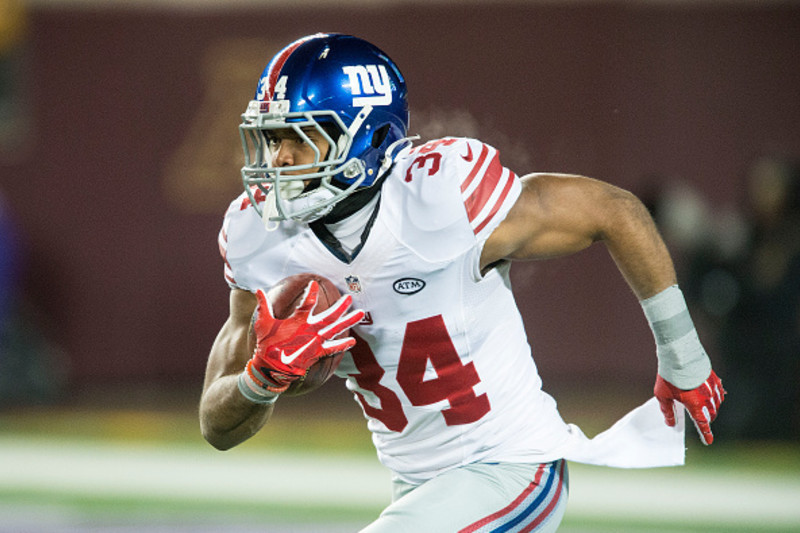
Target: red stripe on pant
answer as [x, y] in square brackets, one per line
[523, 499]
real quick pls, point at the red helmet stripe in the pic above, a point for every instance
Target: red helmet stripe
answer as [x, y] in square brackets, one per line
[280, 60]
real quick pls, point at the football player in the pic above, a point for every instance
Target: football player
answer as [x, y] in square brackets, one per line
[420, 239]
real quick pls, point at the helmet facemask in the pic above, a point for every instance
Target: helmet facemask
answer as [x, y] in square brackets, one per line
[303, 192]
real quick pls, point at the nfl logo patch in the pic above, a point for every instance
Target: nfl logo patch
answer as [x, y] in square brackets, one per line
[353, 284]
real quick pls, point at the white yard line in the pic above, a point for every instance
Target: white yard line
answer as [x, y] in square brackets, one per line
[245, 476]
[685, 495]
[190, 473]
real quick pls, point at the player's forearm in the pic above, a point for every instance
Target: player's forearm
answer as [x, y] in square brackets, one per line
[226, 417]
[637, 247]
[643, 259]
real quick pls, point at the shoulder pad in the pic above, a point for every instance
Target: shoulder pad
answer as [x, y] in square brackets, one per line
[455, 192]
[243, 236]
[242, 229]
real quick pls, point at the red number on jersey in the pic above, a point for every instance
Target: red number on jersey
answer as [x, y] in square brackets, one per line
[430, 146]
[368, 378]
[428, 340]
[259, 196]
[427, 153]
[421, 162]
[425, 340]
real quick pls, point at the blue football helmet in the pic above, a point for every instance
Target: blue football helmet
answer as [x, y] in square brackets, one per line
[349, 92]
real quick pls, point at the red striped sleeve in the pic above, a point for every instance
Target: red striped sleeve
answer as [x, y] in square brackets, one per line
[476, 168]
[481, 194]
[222, 241]
[498, 203]
[486, 188]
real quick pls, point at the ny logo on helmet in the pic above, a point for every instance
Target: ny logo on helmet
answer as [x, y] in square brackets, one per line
[371, 81]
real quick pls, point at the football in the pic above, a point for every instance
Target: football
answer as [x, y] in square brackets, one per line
[285, 296]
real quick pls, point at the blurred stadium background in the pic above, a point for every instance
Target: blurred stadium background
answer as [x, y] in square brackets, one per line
[119, 153]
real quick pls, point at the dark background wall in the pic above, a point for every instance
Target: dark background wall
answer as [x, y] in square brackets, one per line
[128, 152]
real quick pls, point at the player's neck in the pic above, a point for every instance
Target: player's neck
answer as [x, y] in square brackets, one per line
[346, 237]
[349, 230]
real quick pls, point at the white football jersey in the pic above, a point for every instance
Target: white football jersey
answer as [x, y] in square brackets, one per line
[442, 368]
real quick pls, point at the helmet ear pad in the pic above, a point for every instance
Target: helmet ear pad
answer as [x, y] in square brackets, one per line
[352, 203]
[372, 145]
[380, 135]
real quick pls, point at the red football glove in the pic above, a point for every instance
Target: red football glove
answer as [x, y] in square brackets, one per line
[702, 403]
[285, 349]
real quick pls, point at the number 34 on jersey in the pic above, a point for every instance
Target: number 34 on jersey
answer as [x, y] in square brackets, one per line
[425, 342]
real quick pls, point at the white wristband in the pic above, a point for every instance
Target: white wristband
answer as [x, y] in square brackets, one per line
[682, 360]
[254, 391]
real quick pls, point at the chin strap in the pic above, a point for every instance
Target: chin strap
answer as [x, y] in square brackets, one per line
[294, 199]
[270, 210]
[309, 199]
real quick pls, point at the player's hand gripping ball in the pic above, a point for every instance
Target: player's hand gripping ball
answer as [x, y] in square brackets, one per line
[299, 333]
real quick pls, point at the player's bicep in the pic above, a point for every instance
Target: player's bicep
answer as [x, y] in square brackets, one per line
[554, 215]
[230, 350]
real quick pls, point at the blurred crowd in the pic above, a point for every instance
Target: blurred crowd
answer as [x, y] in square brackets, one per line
[27, 374]
[740, 269]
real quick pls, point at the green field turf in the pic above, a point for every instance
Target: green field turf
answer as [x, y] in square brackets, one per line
[90, 469]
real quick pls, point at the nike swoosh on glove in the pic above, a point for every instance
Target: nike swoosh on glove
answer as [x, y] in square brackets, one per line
[285, 349]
